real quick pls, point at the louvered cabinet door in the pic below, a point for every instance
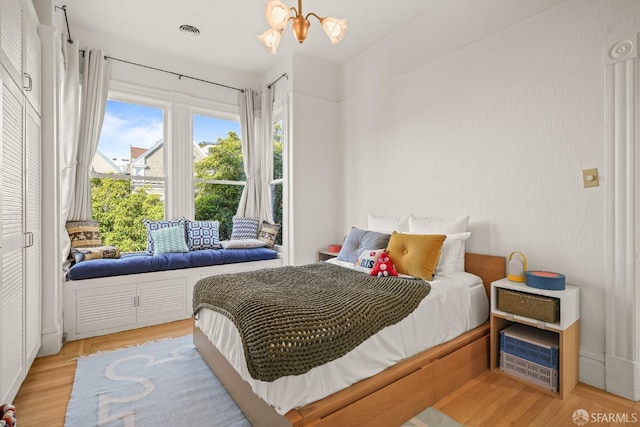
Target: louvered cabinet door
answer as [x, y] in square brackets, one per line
[31, 61]
[33, 228]
[11, 38]
[11, 201]
[162, 300]
[104, 308]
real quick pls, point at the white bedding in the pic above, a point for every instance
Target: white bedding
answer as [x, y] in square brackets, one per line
[456, 304]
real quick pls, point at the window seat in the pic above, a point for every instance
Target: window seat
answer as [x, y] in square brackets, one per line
[144, 263]
[112, 295]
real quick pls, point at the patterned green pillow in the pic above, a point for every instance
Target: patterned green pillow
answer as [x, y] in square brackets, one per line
[170, 239]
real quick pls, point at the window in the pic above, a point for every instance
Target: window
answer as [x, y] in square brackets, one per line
[218, 170]
[127, 183]
[159, 157]
[277, 179]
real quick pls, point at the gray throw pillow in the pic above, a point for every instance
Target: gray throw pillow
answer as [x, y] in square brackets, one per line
[357, 240]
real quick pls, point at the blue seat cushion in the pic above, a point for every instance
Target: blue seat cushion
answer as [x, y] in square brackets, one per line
[144, 263]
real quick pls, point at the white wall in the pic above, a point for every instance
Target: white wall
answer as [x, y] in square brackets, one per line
[496, 122]
[314, 154]
[121, 49]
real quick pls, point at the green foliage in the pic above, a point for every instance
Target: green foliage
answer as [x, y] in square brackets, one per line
[220, 201]
[120, 212]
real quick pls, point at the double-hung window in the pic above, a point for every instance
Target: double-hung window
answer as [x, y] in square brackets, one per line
[128, 173]
[218, 169]
[203, 152]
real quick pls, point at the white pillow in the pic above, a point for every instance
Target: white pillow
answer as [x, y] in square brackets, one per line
[367, 259]
[452, 253]
[428, 225]
[242, 243]
[388, 224]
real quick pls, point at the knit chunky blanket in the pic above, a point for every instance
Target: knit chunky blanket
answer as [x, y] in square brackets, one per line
[292, 319]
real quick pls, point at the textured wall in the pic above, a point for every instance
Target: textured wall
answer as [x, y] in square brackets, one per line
[499, 127]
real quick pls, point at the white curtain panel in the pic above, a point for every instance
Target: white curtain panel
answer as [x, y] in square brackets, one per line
[266, 149]
[69, 116]
[95, 89]
[249, 205]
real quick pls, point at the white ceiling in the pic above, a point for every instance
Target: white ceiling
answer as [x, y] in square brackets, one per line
[229, 29]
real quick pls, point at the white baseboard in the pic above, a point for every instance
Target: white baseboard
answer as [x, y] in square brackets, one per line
[592, 369]
[51, 342]
[622, 377]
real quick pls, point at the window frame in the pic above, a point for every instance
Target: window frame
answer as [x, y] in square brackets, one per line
[123, 92]
[178, 110]
[280, 111]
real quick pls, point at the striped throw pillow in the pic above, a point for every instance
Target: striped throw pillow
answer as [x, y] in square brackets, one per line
[169, 239]
[244, 228]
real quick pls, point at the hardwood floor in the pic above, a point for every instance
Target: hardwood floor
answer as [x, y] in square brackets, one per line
[490, 400]
[493, 399]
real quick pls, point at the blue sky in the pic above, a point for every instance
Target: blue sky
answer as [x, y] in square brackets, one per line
[141, 126]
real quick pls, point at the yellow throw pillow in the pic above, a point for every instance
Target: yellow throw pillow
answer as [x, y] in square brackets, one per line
[415, 254]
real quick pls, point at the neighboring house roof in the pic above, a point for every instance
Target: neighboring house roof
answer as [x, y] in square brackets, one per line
[136, 152]
[102, 164]
[140, 161]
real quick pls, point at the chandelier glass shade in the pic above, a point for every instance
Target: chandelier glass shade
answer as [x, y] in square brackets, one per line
[278, 15]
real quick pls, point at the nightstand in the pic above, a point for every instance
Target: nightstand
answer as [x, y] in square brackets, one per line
[566, 329]
[325, 255]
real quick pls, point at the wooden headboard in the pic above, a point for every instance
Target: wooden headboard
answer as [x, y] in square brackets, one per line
[488, 267]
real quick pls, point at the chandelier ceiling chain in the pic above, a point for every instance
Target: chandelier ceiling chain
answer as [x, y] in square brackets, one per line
[278, 15]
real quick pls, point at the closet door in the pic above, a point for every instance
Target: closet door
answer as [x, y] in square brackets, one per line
[31, 61]
[11, 288]
[33, 241]
[11, 38]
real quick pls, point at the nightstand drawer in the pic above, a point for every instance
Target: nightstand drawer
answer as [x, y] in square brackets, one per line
[536, 307]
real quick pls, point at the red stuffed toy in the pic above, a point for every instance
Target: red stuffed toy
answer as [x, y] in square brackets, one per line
[8, 414]
[384, 266]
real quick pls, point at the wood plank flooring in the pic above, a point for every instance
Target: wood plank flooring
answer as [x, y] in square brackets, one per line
[490, 400]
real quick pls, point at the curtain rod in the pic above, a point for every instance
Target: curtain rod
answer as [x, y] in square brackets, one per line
[276, 80]
[180, 76]
[64, 9]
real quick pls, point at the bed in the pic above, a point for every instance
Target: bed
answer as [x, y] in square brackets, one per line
[380, 392]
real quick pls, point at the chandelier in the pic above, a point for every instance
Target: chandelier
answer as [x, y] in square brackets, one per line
[278, 15]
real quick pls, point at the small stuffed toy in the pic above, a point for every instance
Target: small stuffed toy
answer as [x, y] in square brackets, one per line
[384, 266]
[8, 414]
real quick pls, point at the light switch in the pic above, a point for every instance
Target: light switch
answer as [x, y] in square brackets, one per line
[590, 177]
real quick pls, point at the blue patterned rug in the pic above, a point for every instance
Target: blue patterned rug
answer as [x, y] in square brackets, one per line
[158, 384]
[431, 417]
[165, 383]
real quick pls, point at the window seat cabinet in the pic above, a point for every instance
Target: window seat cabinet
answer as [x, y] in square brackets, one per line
[106, 305]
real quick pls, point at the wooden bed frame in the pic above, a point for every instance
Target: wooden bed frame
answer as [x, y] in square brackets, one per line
[391, 397]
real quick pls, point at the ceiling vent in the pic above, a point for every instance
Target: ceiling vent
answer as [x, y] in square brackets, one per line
[189, 30]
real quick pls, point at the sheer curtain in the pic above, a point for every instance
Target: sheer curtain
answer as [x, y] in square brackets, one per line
[69, 113]
[257, 153]
[81, 122]
[95, 89]
[249, 205]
